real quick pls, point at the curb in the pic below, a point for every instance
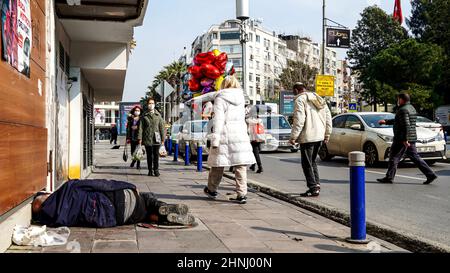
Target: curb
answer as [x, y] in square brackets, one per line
[406, 241]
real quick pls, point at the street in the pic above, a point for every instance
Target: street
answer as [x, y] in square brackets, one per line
[407, 205]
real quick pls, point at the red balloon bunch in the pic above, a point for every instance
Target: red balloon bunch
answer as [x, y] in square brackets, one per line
[207, 71]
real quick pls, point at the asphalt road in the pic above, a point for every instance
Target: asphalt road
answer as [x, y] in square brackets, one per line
[407, 205]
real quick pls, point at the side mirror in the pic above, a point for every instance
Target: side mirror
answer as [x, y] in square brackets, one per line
[356, 127]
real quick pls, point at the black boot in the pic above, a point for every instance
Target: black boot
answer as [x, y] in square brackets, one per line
[138, 166]
[252, 167]
[150, 173]
[132, 163]
[260, 169]
[157, 173]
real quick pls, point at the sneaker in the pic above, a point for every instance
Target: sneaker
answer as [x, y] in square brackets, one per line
[314, 192]
[185, 220]
[210, 194]
[384, 180]
[173, 208]
[430, 179]
[239, 199]
[157, 173]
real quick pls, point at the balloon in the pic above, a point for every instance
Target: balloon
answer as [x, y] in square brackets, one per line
[221, 61]
[210, 71]
[194, 85]
[218, 82]
[195, 71]
[206, 82]
[207, 90]
[216, 52]
[204, 58]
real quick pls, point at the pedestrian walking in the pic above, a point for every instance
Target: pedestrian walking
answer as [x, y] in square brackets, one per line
[97, 135]
[404, 142]
[311, 126]
[229, 141]
[257, 136]
[113, 133]
[134, 121]
[151, 134]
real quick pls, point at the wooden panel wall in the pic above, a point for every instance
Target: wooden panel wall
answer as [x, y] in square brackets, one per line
[23, 136]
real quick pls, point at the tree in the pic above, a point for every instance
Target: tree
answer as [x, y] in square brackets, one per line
[430, 23]
[297, 72]
[407, 66]
[375, 31]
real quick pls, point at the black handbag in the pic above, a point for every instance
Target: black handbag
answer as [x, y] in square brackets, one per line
[125, 153]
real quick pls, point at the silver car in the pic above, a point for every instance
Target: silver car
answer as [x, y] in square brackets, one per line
[361, 132]
[194, 132]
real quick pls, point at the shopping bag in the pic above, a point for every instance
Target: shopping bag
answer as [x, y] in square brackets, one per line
[125, 153]
[162, 151]
[259, 133]
[138, 154]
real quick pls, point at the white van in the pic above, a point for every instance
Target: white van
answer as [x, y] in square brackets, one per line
[278, 133]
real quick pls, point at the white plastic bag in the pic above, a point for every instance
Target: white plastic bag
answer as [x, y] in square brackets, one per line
[162, 151]
[138, 153]
[40, 236]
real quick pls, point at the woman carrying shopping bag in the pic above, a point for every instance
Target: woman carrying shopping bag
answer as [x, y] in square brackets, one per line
[257, 136]
[230, 143]
[134, 121]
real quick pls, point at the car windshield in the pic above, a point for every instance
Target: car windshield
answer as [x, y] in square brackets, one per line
[423, 119]
[275, 122]
[199, 127]
[176, 129]
[372, 120]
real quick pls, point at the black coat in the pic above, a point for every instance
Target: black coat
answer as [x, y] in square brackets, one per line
[404, 124]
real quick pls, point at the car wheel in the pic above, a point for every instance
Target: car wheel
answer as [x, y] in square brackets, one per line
[323, 153]
[294, 150]
[430, 162]
[371, 154]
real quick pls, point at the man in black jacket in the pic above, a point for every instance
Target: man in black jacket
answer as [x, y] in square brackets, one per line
[404, 143]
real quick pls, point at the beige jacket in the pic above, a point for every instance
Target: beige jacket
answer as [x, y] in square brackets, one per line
[312, 119]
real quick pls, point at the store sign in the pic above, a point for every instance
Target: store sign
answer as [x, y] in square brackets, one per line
[16, 34]
[325, 85]
[286, 103]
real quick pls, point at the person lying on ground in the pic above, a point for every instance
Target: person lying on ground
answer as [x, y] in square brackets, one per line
[105, 203]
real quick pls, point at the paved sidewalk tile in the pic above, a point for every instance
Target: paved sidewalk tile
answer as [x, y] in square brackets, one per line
[263, 225]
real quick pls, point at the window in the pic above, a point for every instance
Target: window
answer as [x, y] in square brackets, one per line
[250, 37]
[257, 64]
[231, 49]
[250, 49]
[352, 120]
[236, 62]
[197, 127]
[230, 35]
[258, 78]
[268, 56]
[338, 122]
[214, 35]
[257, 51]
[250, 64]
[258, 39]
[252, 91]
[250, 77]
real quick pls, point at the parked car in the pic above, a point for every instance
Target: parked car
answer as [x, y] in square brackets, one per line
[278, 133]
[429, 124]
[361, 132]
[175, 131]
[194, 132]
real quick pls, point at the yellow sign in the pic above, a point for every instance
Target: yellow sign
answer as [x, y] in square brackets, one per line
[325, 85]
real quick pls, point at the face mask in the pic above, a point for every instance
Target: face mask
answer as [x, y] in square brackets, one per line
[151, 107]
[137, 113]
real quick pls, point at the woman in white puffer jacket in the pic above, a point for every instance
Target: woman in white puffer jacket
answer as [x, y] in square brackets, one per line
[230, 143]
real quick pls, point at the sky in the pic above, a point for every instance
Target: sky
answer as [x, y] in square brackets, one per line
[171, 25]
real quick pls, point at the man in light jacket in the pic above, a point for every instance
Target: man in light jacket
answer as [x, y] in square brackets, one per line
[311, 126]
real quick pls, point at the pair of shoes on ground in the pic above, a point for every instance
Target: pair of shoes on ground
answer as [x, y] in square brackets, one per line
[253, 167]
[312, 192]
[177, 214]
[213, 195]
[154, 173]
[386, 180]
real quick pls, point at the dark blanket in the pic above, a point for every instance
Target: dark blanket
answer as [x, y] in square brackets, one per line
[82, 203]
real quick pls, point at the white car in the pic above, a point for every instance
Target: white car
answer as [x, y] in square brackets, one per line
[429, 124]
[361, 132]
[278, 133]
[193, 132]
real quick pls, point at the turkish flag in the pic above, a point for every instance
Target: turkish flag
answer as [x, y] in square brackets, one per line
[398, 15]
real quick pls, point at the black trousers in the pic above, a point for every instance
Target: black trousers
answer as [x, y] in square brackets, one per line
[113, 138]
[146, 204]
[152, 157]
[309, 153]
[398, 150]
[256, 150]
[134, 145]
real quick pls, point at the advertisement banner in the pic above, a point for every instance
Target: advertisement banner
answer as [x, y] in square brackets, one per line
[16, 34]
[124, 109]
[286, 103]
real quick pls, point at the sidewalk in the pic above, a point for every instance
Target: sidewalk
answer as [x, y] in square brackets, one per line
[264, 224]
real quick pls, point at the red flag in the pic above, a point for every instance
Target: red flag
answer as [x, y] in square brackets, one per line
[398, 15]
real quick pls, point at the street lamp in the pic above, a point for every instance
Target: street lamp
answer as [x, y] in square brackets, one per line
[242, 14]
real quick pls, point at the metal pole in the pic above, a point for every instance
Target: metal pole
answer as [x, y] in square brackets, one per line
[175, 152]
[243, 40]
[357, 198]
[323, 38]
[186, 154]
[199, 157]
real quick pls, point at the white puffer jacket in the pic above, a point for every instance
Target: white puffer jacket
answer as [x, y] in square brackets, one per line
[230, 131]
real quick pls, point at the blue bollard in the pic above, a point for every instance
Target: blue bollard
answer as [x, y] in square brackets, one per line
[199, 158]
[357, 198]
[445, 136]
[165, 144]
[175, 152]
[186, 154]
[169, 151]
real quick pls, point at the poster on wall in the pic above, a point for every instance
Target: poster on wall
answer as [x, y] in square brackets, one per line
[16, 34]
